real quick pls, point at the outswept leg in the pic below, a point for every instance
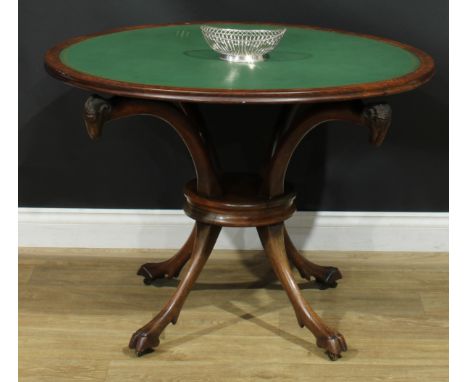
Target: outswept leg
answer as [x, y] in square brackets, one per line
[272, 238]
[171, 267]
[147, 337]
[376, 118]
[325, 276]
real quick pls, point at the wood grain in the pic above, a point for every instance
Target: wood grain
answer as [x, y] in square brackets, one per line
[76, 308]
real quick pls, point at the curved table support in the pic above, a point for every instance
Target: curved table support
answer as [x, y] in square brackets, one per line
[289, 134]
[187, 122]
[170, 268]
[376, 118]
[275, 239]
[146, 338]
[325, 276]
[98, 111]
[241, 201]
[272, 238]
[193, 113]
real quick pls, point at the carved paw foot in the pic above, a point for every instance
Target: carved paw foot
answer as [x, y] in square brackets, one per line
[143, 342]
[328, 278]
[333, 344]
[154, 271]
[325, 277]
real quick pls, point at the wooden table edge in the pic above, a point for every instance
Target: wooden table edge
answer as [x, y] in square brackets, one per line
[410, 81]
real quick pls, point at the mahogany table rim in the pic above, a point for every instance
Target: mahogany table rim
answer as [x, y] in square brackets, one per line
[407, 82]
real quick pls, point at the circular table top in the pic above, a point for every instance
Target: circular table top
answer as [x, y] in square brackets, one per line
[173, 62]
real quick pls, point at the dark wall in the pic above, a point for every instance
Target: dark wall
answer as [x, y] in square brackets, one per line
[140, 163]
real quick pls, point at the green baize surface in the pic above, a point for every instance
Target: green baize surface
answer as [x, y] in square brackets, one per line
[178, 56]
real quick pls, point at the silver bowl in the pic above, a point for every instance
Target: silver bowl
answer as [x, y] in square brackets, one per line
[242, 45]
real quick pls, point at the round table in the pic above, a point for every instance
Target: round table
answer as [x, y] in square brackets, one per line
[318, 74]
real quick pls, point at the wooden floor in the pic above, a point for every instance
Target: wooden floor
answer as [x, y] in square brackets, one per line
[78, 308]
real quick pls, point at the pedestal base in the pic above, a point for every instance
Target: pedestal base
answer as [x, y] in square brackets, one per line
[241, 200]
[242, 205]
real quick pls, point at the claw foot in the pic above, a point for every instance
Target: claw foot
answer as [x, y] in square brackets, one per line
[154, 271]
[143, 342]
[325, 277]
[329, 278]
[334, 345]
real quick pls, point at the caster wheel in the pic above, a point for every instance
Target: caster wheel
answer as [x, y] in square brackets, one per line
[142, 353]
[329, 281]
[325, 285]
[143, 342]
[147, 281]
[333, 356]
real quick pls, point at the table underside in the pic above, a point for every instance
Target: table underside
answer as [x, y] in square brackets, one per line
[215, 199]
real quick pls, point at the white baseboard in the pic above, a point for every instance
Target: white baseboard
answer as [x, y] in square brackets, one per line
[335, 231]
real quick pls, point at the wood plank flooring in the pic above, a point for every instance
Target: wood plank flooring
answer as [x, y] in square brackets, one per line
[78, 308]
